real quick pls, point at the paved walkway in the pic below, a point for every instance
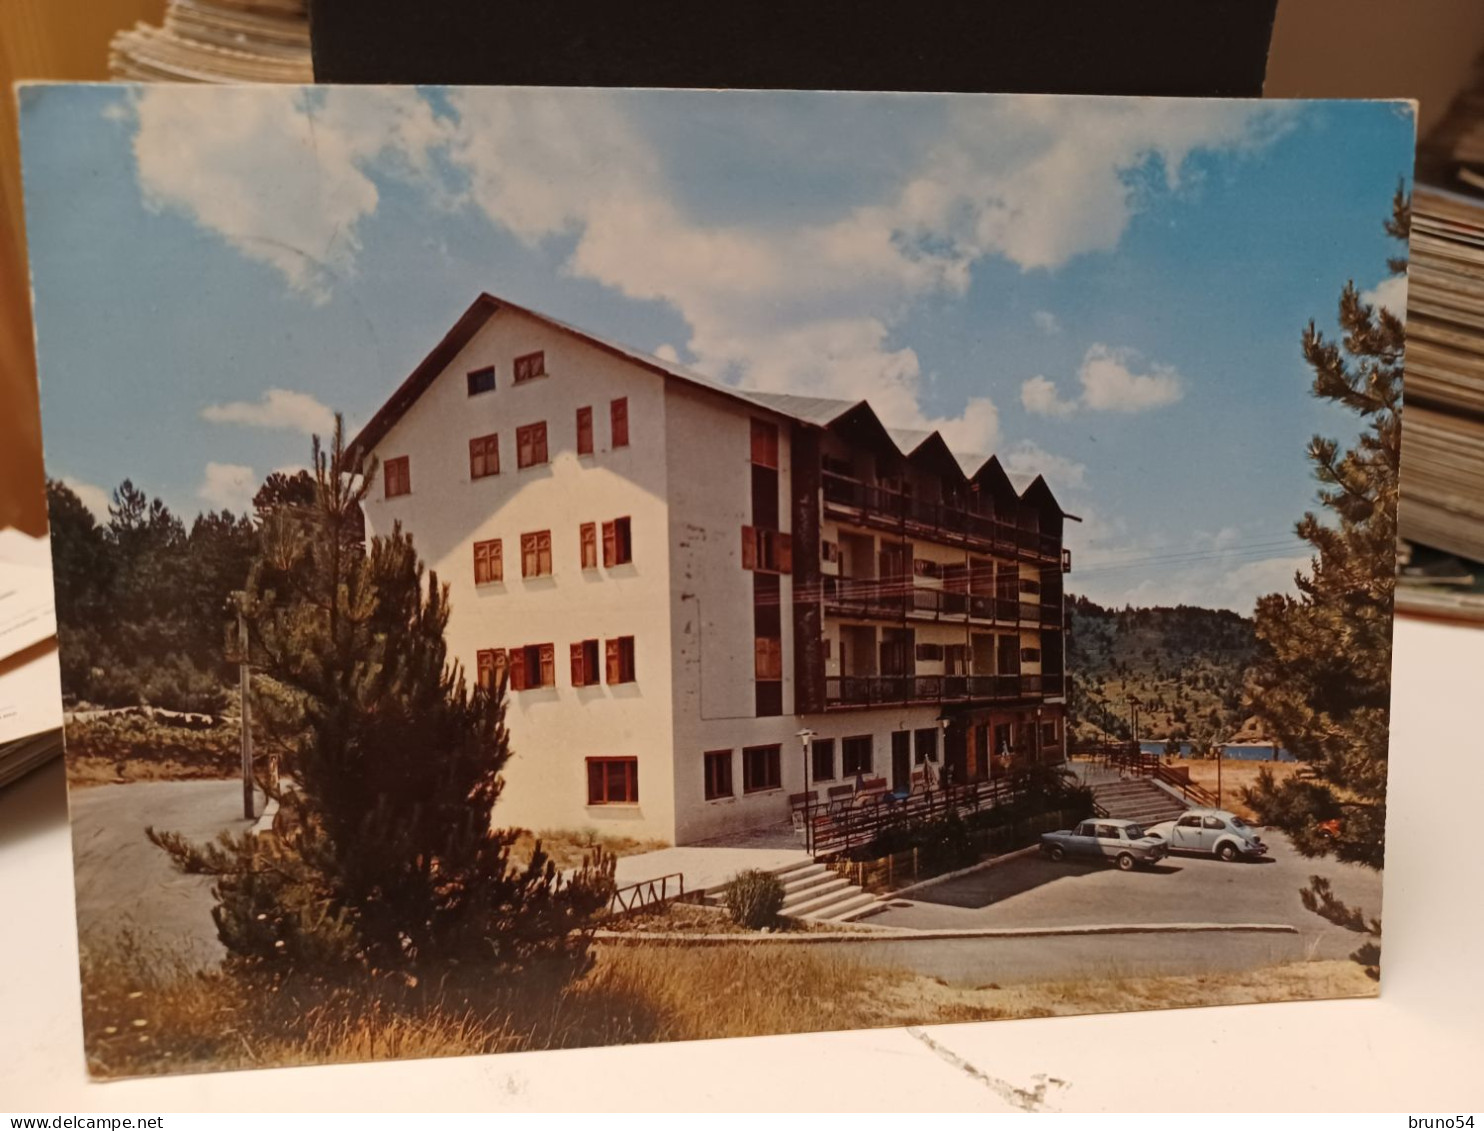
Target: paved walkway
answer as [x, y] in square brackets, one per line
[705, 866]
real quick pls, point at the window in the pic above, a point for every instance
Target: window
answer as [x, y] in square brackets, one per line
[488, 665]
[768, 653]
[1189, 822]
[397, 477]
[933, 653]
[482, 380]
[1086, 828]
[1048, 734]
[761, 768]
[535, 554]
[767, 551]
[530, 444]
[620, 657]
[1030, 585]
[585, 431]
[718, 774]
[589, 539]
[1212, 823]
[956, 659]
[822, 757]
[925, 745]
[618, 544]
[530, 365]
[829, 551]
[484, 456]
[1108, 832]
[856, 755]
[584, 663]
[618, 416]
[765, 443]
[531, 666]
[489, 564]
[1030, 655]
[922, 567]
[613, 781]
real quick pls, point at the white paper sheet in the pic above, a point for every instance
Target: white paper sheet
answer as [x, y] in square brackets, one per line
[27, 602]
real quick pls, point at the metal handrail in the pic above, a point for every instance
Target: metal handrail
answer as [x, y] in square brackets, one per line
[647, 893]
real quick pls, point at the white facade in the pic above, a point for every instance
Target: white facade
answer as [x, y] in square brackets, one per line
[686, 483]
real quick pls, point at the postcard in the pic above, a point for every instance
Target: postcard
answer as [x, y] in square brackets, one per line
[548, 568]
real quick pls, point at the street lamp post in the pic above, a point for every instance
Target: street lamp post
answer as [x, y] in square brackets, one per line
[806, 737]
[244, 684]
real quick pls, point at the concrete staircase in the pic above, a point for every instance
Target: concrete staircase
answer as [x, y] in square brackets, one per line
[1138, 799]
[813, 891]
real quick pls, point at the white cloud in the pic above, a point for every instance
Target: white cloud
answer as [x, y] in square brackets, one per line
[1039, 395]
[1109, 384]
[667, 352]
[228, 486]
[277, 408]
[1046, 322]
[1027, 460]
[1390, 292]
[797, 305]
[95, 498]
[278, 172]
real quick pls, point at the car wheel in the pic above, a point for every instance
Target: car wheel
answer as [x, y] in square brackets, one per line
[1125, 862]
[1227, 852]
[1057, 853]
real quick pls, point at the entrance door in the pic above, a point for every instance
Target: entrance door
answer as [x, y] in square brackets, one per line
[901, 761]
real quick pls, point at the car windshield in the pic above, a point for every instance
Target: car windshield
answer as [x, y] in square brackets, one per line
[1133, 832]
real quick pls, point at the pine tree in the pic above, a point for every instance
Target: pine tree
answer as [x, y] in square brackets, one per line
[383, 854]
[1323, 679]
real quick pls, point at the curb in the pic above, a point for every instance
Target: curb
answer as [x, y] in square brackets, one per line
[903, 934]
[1028, 850]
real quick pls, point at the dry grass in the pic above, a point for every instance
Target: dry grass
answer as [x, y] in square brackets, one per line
[690, 918]
[1236, 775]
[568, 847]
[147, 1018]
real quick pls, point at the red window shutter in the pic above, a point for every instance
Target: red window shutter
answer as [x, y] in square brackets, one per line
[578, 678]
[548, 665]
[610, 544]
[785, 553]
[518, 669]
[595, 772]
[615, 663]
[585, 431]
[497, 561]
[749, 548]
[619, 413]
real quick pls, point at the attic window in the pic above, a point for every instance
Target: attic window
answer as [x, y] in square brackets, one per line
[482, 380]
[529, 366]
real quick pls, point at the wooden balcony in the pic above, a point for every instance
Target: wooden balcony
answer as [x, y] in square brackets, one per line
[896, 599]
[899, 690]
[870, 505]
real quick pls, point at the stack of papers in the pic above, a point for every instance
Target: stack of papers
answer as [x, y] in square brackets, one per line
[30, 675]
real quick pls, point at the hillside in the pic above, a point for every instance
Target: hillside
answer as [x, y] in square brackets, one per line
[1184, 664]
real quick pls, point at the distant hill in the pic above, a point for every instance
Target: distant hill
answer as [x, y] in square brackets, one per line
[1185, 665]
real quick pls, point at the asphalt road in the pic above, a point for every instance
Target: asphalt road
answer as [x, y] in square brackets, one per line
[1031, 891]
[125, 883]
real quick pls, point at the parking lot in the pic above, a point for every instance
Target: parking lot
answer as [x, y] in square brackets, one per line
[1032, 891]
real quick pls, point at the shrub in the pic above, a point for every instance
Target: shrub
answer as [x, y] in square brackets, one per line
[754, 898]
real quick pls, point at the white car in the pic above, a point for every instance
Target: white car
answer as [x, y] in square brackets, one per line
[1212, 832]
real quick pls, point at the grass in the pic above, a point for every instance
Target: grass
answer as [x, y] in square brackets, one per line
[146, 1016]
[1236, 775]
[568, 847]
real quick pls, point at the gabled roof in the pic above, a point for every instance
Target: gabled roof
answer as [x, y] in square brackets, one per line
[819, 412]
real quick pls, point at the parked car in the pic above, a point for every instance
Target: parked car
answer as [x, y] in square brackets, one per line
[1105, 838]
[1212, 832]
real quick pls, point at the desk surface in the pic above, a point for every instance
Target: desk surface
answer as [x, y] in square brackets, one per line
[1417, 1048]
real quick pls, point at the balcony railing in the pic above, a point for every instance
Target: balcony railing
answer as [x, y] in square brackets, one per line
[873, 690]
[894, 598]
[938, 521]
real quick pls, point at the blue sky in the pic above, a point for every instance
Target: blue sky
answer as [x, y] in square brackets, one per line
[1108, 292]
